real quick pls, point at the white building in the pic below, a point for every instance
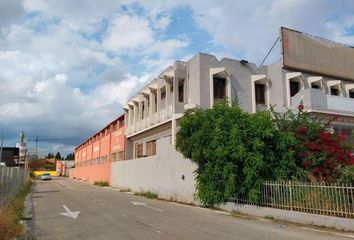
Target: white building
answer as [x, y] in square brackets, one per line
[316, 71]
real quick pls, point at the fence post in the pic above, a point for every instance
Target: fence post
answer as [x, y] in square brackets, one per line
[291, 196]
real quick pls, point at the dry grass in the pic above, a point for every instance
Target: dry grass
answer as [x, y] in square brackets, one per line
[10, 216]
[101, 183]
[147, 194]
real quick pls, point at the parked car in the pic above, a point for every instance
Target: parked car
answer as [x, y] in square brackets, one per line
[46, 176]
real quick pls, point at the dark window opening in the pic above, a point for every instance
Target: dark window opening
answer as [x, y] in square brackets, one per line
[155, 107]
[142, 109]
[294, 88]
[315, 86]
[351, 94]
[163, 93]
[171, 88]
[260, 93]
[181, 91]
[121, 123]
[334, 92]
[219, 88]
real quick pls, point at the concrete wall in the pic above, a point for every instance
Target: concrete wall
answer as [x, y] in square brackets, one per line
[291, 216]
[161, 173]
[98, 172]
[278, 89]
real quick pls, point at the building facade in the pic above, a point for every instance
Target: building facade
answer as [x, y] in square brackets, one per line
[312, 70]
[94, 156]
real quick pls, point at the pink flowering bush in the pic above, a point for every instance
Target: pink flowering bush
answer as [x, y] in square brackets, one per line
[318, 154]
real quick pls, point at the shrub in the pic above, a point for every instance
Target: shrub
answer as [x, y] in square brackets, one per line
[235, 151]
[346, 174]
[319, 154]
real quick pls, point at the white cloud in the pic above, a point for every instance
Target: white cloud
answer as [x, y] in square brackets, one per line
[66, 66]
[127, 32]
[162, 22]
[248, 29]
[10, 11]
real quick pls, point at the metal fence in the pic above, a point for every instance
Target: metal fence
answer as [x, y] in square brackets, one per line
[11, 181]
[318, 198]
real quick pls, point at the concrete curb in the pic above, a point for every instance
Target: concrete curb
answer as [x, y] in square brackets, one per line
[27, 218]
[339, 223]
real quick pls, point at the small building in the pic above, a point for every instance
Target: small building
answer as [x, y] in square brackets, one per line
[9, 156]
[94, 156]
[63, 167]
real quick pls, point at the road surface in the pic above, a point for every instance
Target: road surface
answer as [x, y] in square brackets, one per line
[71, 209]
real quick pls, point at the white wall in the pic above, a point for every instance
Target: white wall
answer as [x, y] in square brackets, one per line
[161, 173]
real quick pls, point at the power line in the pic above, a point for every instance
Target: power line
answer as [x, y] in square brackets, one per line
[268, 53]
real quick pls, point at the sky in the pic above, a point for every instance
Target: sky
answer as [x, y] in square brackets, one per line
[67, 67]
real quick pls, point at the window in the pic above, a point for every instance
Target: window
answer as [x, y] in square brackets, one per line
[142, 109]
[138, 150]
[155, 107]
[260, 93]
[171, 88]
[151, 148]
[351, 94]
[121, 123]
[219, 88]
[334, 92]
[181, 91]
[163, 93]
[120, 155]
[294, 88]
[315, 86]
[113, 157]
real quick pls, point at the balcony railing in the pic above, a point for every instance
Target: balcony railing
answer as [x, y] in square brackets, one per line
[163, 115]
[316, 99]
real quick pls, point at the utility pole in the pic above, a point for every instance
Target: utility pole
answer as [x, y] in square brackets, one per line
[26, 161]
[36, 147]
[1, 145]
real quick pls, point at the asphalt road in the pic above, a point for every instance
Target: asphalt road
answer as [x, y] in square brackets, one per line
[109, 214]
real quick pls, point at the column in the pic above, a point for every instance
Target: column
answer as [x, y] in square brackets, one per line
[151, 108]
[168, 99]
[126, 120]
[130, 119]
[135, 112]
[140, 116]
[146, 111]
[158, 91]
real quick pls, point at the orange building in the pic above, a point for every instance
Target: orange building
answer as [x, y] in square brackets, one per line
[93, 157]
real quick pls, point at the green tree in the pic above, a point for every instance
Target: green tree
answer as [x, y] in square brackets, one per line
[58, 156]
[235, 151]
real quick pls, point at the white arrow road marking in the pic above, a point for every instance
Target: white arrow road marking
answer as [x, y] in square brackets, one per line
[69, 213]
[146, 205]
